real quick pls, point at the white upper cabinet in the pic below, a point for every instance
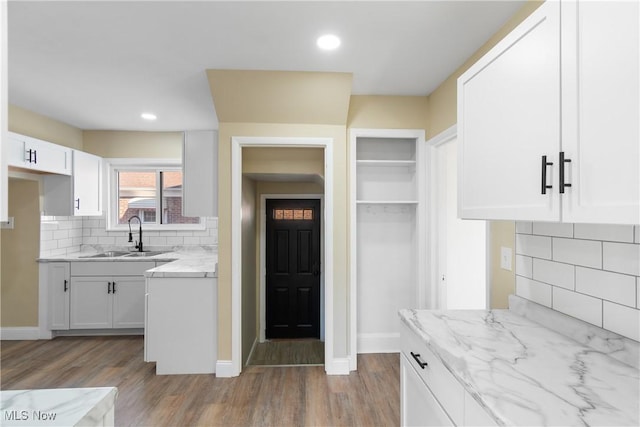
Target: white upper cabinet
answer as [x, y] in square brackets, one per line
[562, 86]
[600, 111]
[508, 119]
[87, 184]
[34, 154]
[200, 173]
[77, 195]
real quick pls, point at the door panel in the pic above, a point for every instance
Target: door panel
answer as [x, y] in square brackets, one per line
[293, 266]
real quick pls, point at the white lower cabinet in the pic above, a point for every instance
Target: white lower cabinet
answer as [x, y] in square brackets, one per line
[59, 284]
[419, 406]
[429, 394]
[96, 295]
[107, 302]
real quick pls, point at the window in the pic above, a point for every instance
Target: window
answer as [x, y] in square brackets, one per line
[153, 193]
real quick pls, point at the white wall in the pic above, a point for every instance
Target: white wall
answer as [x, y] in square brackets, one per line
[587, 271]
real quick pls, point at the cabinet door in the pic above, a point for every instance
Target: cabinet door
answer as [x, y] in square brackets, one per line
[200, 179]
[128, 302]
[418, 406]
[508, 118]
[87, 184]
[48, 157]
[15, 151]
[91, 303]
[59, 291]
[601, 114]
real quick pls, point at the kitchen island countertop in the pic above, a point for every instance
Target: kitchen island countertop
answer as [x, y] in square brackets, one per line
[525, 374]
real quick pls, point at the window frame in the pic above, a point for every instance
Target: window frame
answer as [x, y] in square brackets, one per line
[142, 165]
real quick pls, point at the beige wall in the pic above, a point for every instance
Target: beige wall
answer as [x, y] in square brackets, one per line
[442, 115]
[283, 160]
[388, 112]
[338, 134]
[123, 144]
[249, 287]
[38, 126]
[20, 248]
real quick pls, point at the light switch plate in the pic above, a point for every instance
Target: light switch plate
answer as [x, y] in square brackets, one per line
[505, 258]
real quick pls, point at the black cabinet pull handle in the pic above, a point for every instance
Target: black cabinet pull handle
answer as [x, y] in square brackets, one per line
[35, 156]
[544, 174]
[416, 357]
[108, 287]
[66, 287]
[29, 159]
[562, 162]
[78, 203]
[113, 287]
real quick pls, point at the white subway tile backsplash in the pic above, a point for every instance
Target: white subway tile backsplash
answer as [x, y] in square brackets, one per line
[555, 229]
[578, 305]
[535, 246]
[533, 291]
[554, 273]
[606, 232]
[60, 234]
[157, 241]
[191, 240]
[524, 266]
[622, 320]
[587, 253]
[524, 227]
[621, 257]
[615, 287]
[592, 276]
[175, 241]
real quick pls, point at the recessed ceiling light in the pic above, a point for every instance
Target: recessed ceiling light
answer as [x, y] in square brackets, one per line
[148, 116]
[328, 42]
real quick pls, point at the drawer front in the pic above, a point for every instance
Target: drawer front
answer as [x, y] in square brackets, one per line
[116, 268]
[448, 391]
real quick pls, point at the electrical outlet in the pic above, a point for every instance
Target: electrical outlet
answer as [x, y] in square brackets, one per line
[505, 258]
[8, 224]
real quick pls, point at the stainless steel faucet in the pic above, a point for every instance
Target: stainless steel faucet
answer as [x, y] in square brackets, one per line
[139, 242]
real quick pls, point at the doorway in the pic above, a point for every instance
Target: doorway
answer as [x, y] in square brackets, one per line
[459, 246]
[292, 268]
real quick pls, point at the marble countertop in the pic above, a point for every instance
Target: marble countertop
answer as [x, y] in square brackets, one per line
[186, 261]
[523, 373]
[56, 407]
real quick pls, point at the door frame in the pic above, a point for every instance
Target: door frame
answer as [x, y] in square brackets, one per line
[263, 257]
[435, 297]
[332, 366]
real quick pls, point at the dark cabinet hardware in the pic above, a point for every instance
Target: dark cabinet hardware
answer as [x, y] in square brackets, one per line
[30, 159]
[562, 162]
[35, 156]
[544, 174]
[66, 285]
[416, 357]
[78, 203]
[113, 287]
[108, 287]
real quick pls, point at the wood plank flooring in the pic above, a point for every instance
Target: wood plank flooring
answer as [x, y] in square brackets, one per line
[288, 352]
[260, 396]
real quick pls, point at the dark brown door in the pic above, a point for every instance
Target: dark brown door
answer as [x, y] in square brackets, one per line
[293, 268]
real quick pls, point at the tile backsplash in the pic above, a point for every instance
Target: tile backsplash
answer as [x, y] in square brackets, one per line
[64, 235]
[587, 271]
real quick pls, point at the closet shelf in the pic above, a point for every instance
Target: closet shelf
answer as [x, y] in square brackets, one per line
[386, 202]
[385, 162]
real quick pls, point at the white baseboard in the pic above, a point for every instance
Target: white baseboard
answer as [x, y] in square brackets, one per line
[224, 369]
[20, 333]
[337, 366]
[379, 343]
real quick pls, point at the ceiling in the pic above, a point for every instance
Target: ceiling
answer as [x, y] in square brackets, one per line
[99, 65]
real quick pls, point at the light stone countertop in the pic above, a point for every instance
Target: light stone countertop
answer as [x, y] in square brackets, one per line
[185, 261]
[523, 373]
[57, 407]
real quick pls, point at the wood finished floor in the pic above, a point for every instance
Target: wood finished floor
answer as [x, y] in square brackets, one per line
[288, 352]
[260, 396]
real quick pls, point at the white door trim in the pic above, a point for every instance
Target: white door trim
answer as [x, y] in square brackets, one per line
[237, 144]
[263, 257]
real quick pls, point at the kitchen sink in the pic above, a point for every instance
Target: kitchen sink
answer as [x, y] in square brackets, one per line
[145, 253]
[107, 254]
